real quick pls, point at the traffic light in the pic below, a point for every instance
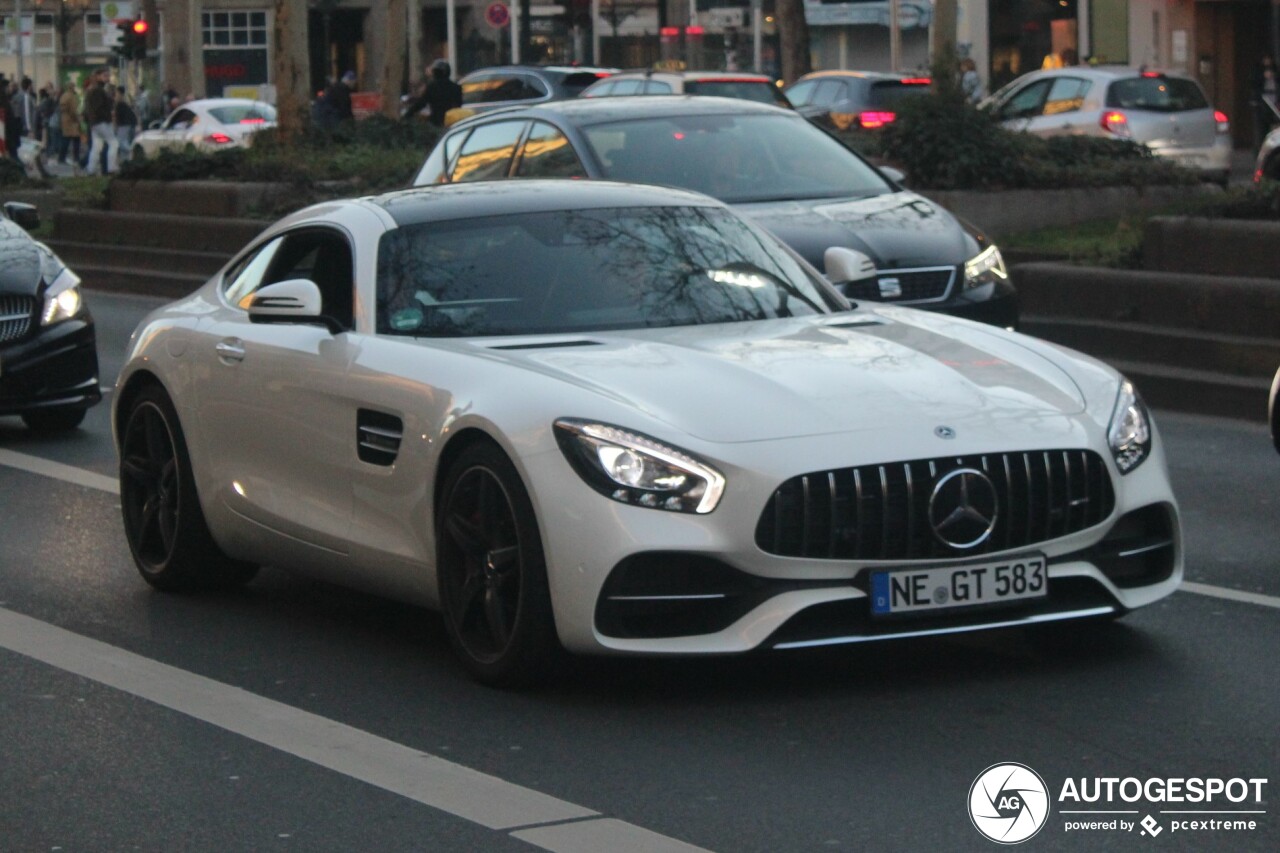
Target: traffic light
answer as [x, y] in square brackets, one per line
[124, 46]
[140, 27]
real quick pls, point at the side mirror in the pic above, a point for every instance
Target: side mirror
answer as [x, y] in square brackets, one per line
[847, 265]
[155, 125]
[23, 215]
[297, 300]
[896, 175]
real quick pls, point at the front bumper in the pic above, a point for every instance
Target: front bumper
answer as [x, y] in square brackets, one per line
[651, 582]
[57, 368]
[995, 305]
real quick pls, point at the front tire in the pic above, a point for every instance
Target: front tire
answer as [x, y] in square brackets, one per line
[163, 522]
[491, 572]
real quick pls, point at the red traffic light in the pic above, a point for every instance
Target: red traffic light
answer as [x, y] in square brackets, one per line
[140, 27]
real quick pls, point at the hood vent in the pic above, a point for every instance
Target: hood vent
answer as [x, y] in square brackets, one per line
[575, 342]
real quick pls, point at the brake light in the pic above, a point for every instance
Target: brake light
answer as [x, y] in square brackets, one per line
[218, 138]
[1150, 74]
[1224, 126]
[1115, 122]
[871, 119]
[253, 121]
[916, 81]
[695, 30]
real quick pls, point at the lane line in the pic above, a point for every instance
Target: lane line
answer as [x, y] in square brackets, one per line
[82, 477]
[424, 778]
[1230, 594]
[58, 471]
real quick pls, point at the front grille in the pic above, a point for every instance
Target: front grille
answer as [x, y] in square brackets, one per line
[16, 314]
[917, 285]
[881, 512]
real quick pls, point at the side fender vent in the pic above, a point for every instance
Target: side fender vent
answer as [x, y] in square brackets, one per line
[378, 437]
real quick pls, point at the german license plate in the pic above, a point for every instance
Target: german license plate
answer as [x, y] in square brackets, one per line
[959, 586]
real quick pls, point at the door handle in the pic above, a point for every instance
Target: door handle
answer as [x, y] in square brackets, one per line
[230, 349]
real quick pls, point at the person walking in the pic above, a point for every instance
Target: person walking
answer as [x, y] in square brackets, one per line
[1266, 103]
[125, 122]
[68, 120]
[12, 118]
[97, 114]
[438, 94]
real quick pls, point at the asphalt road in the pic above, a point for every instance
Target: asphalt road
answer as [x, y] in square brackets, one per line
[298, 716]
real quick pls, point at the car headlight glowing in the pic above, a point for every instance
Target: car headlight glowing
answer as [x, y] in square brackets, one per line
[1130, 432]
[986, 267]
[62, 299]
[634, 469]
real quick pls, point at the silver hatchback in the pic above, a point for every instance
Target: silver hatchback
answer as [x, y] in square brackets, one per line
[1166, 112]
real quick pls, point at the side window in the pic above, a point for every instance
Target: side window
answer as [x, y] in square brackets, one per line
[801, 94]
[518, 87]
[436, 169]
[181, 120]
[323, 256]
[244, 278]
[829, 91]
[627, 87]
[657, 87]
[548, 154]
[1066, 95]
[1026, 102]
[600, 91]
[480, 90]
[488, 151]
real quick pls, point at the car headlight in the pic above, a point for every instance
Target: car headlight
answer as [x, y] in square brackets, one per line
[62, 299]
[986, 267]
[635, 469]
[1130, 432]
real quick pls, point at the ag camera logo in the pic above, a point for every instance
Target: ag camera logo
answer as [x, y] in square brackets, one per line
[1008, 803]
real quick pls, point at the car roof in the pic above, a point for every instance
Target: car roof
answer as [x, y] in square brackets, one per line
[861, 75]
[214, 103]
[445, 202]
[559, 70]
[585, 111]
[745, 76]
[1106, 72]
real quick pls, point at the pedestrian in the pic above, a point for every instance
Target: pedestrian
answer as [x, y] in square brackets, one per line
[125, 122]
[12, 118]
[142, 106]
[69, 122]
[438, 94]
[1266, 107]
[97, 114]
[336, 106]
[46, 121]
[970, 82]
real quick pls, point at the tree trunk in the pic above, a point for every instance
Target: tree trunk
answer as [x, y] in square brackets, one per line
[396, 47]
[292, 71]
[793, 33]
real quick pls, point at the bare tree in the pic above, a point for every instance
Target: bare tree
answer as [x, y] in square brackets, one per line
[393, 70]
[793, 33]
[292, 70]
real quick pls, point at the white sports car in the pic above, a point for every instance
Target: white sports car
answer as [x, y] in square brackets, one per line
[612, 418]
[212, 124]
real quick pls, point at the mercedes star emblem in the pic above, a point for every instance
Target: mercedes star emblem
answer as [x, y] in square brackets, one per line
[963, 508]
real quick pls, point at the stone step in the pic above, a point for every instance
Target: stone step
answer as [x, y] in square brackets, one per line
[153, 230]
[1199, 391]
[195, 198]
[168, 285]
[1232, 355]
[79, 255]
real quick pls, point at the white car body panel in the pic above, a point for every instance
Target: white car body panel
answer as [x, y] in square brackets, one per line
[177, 136]
[273, 436]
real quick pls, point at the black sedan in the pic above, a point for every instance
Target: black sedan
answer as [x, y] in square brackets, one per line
[48, 354]
[772, 165]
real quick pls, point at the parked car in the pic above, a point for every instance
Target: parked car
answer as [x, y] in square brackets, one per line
[207, 125]
[623, 419]
[843, 99]
[1273, 411]
[775, 167]
[724, 84]
[1165, 111]
[48, 349]
[512, 85]
[1267, 166]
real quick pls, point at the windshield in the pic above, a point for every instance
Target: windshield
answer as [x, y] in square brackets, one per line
[244, 113]
[760, 91]
[1157, 94]
[735, 158]
[589, 270]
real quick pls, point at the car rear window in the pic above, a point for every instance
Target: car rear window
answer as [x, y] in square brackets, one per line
[1157, 94]
[761, 91]
[574, 83]
[247, 113]
[887, 93]
[584, 270]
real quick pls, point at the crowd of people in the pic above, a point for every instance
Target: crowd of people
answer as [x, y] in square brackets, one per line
[89, 127]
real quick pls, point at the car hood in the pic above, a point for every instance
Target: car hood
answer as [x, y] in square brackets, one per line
[19, 261]
[860, 370]
[898, 230]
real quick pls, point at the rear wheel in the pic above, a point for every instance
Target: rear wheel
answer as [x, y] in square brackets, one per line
[492, 575]
[53, 420]
[163, 522]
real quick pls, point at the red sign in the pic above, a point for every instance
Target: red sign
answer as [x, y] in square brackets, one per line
[365, 104]
[497, 15]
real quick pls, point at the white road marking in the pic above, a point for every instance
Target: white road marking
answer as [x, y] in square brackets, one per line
[58, 471]
[424, 778]
[1231, 594]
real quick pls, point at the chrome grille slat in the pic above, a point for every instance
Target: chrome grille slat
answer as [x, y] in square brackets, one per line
[1041, 495]
[17, 314]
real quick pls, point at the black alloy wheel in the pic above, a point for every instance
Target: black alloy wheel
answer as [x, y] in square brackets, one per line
[492, 577]
[163, 522]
